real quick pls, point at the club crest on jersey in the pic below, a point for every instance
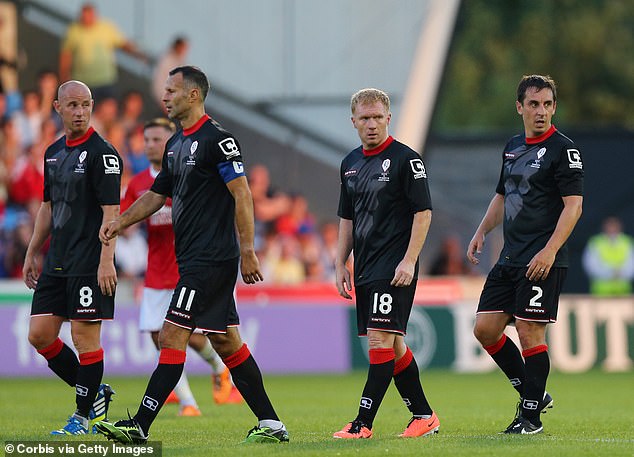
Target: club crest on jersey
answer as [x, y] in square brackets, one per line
[418, 168]
[537, 163]
[574, 159]
[191, 160]
[385, 175]
[82, 156]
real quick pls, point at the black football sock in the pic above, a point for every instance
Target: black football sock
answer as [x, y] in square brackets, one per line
[62, 361]
[537, 369]
[407, 381]
[162, 382]
[247, 378]
[506, 354]
[88, 380]
[379, 378]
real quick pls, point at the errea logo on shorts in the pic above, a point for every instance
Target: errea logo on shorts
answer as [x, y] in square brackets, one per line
[229, 148]
[418, 168]
[574, 159]
[111, 164]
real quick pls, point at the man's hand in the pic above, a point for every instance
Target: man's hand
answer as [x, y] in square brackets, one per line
[403, 274]
[250, 268]
[475, 248]
[109, 230]
[344, 284]
[540, 265]
[107, 278]
[30, 272]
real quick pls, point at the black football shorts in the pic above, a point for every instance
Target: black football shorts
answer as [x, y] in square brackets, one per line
[72, 297]
[204, 298]
[381, 306]
[508, 290]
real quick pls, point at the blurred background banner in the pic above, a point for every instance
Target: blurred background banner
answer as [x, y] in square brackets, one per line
[291, 331]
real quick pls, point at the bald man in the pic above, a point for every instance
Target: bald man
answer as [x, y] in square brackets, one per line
[82, 181]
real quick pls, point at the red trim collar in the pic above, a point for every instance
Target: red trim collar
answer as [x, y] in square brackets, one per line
[194, 128]
[379, 149]
[544, 136]
[81, 139]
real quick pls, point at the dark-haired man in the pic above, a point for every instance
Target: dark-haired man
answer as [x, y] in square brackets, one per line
[538, 198]
[203, 173]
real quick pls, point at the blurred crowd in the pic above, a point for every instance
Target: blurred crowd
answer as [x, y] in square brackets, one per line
[292, 246]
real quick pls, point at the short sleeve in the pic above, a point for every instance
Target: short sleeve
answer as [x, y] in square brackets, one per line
[106, 178]
[345, 210]
[227, 158]
[569, 171]
[163, 182]
[415, 184]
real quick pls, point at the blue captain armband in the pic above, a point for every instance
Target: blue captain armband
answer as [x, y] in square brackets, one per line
[230, 170]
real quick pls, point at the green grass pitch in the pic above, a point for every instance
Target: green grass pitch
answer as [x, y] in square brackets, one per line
[593, 416]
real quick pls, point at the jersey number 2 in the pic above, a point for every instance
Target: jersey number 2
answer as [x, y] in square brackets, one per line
[538, 294]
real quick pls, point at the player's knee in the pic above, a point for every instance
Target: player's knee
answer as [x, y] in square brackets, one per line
[40, 340]
[225, 344]
[484, 335]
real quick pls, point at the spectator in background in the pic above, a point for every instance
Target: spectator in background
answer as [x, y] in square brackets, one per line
[27, 179]
[285, 263]
[88, 52]
[608, 260]
[131, 254]
[268, 204]
[106, 115]
[297, 220]
[131, 110]
[28, 120]
[137, 159]
[174, 57]
[47, 83]
[16, 248]
[450, 260]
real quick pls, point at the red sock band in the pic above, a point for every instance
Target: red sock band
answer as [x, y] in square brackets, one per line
[534, 351]
[497, 346]
[88, 358]
[381, 355]
[237, 357]
[52, 350]
[170, 356]
[403, 362]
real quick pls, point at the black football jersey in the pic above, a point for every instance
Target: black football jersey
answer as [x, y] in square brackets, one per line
[380, 193]
[197, 164]
[79, 177]
[536, 173]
